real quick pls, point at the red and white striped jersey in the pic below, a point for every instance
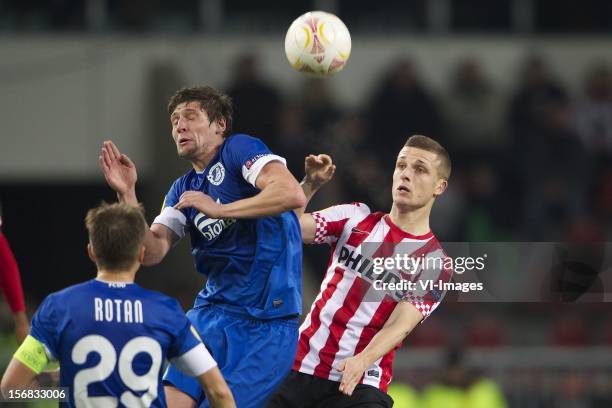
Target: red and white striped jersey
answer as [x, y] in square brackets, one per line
[345, 316]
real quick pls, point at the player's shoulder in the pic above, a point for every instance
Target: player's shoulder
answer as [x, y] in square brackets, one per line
[348, 210]
[66, 296]
[159, 298]
[182, 182]
[238, 139]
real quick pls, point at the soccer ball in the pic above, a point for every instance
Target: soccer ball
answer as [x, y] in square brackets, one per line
[318, 44]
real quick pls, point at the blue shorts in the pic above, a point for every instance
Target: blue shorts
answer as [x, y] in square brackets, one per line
[254, 356]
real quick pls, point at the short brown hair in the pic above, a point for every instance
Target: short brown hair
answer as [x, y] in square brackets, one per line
[216, 104]
[116, 233]
[430, 145]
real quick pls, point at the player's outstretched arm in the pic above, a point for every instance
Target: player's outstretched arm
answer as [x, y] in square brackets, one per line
[318, 171]
[119, 172]
[218, 393]
[402, 321]
[158, 241]
[121, 175]
[280, 192]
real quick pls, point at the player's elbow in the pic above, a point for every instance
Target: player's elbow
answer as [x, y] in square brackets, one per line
[221, 396]
[294, 196]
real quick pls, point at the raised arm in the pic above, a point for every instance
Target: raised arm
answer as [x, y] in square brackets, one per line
[121, 175]
[280, 192]
[402, 321]
[318, 171]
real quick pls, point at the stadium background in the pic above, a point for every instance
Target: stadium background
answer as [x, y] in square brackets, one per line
[520, 92]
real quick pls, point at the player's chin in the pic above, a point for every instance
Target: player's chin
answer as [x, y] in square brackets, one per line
[184, 153]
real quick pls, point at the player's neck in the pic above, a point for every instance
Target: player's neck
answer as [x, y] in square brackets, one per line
[116, 276]
[414, 221]
[201, 162]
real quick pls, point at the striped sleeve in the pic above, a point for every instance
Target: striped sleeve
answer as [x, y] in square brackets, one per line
[427, 300]
[330, 222]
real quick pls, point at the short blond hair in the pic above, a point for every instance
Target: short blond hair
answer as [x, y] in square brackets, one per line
[430, 145]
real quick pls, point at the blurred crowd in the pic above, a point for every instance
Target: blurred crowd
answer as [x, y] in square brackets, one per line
[534, 164]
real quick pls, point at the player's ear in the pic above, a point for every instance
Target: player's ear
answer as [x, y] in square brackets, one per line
[141, 254]
[91, 253]
[441, 186]
[221, 124]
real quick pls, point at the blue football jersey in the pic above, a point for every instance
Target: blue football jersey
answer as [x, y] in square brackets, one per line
[254, 266]
[111, 340]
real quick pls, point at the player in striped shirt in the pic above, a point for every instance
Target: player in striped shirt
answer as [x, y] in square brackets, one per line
[348, 340]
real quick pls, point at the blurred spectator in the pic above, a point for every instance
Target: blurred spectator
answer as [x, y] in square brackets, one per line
[537, 90]
[473, 112]
[401, 106]
[486, 209]
[485, 331]
[459, 388]
[256, 102]
[555, 171]
[573, 392]
[569, 330]
[594, 111]
[403, 395]
[320, 108]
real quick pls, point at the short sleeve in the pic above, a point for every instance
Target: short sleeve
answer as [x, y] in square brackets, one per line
[170, 216]
[330, 222]
[249, 155]
[187, 352]
[428, 297]
[185, 337]
[45, 326]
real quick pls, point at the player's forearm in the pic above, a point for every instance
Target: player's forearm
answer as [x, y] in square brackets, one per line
[156, 248]
[276, 198]
[309, 188]
[401, 322]
[128, 197]
[383, 342]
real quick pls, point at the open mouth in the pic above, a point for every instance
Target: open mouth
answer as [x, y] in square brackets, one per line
[403, 189]
[183, 141]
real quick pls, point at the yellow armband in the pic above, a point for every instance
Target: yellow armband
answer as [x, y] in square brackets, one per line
[32, 354]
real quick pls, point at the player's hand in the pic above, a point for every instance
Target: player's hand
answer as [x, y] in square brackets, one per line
[119, 171]
[201, 202]
[319, 169]
[22, 326]
[352, 370]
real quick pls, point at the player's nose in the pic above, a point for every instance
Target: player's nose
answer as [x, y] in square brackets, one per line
[181, 125]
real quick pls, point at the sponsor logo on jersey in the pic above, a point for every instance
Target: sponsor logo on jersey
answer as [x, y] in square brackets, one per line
[216, 174]
[249, 163]
[211, 228]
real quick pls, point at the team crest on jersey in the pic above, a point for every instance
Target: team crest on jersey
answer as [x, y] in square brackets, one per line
[216, 174]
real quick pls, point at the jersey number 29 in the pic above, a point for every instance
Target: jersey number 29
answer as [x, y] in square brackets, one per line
[147, 382]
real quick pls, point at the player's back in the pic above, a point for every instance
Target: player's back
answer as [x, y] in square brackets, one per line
[111, 340]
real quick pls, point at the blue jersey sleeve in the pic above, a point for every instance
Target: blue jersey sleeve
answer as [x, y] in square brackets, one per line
[186, 337]
[248, 155]
[45, 325]
[173, 194]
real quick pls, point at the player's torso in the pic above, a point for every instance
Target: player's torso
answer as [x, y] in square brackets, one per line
[112, 347]
[249, 262]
